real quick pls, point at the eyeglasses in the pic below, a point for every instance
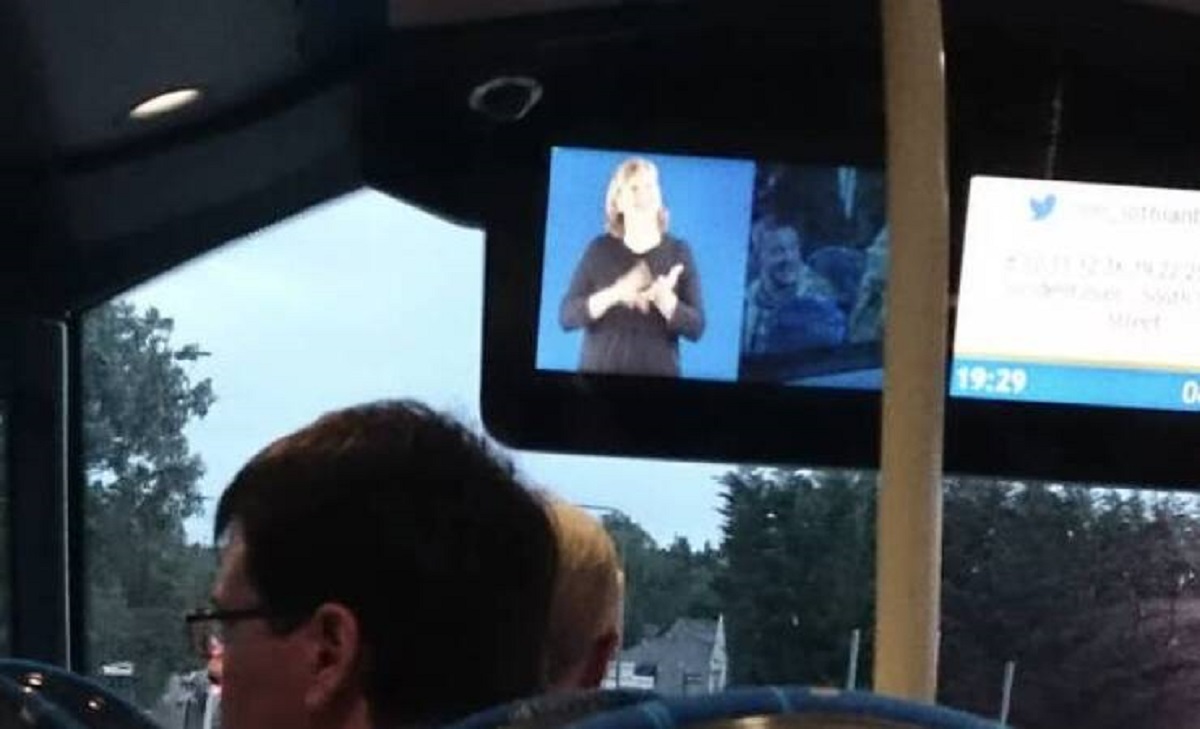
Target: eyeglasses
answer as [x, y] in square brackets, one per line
[206, 628]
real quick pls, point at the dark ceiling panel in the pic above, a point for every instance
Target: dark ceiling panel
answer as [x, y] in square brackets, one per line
[122, 199]
[30, 218]
[414, 13]
[129, 222]
[1118, 73]
[101, 58]
[25, 119]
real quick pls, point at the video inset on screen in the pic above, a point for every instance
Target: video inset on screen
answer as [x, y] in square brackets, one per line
[815, 281]
[714, 269]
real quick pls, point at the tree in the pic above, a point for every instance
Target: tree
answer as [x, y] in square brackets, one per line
[799, 578]
[1095, 593]
[1092, 591]
[661, 585]
[142, 484]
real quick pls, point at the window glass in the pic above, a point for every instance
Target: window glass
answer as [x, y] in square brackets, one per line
[1083, 595]
[734, 574]
[1086, 597]
[142, 388]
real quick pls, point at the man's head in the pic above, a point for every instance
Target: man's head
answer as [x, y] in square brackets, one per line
[778, 256]
[394, 572]
[586, 613]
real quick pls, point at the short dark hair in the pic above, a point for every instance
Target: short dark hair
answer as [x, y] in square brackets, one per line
[422, 529]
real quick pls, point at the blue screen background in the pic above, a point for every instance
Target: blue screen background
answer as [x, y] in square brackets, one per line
[709, 201]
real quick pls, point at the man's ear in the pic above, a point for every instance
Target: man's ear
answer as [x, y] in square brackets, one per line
[336, 654]
[604, 650]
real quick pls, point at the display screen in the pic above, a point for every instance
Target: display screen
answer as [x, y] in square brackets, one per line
[713, 268]
[1079, 293]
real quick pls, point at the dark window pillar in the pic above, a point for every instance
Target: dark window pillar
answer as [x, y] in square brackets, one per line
[35, 355]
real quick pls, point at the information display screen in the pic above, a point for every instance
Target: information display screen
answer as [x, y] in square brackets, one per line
[713, 268]
[1079, 293]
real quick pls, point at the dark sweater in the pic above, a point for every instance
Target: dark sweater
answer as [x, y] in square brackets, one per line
[624, 340]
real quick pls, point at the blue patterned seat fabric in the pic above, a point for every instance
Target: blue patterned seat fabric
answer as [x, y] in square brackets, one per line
[847, 710]
[553, 710]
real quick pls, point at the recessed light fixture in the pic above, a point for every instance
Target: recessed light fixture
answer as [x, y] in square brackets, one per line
[165, 103]
[506, 98]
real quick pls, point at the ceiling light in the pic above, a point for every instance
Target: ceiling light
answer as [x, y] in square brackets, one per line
[506, 98]
[165, 103]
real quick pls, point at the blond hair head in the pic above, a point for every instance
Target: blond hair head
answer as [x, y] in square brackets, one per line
[613, 219]
[588, 592]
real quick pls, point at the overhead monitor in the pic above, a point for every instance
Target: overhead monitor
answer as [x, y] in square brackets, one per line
[687, 258]
[704, 301]
[713, 268]
[1075, 355]
[1080, 294]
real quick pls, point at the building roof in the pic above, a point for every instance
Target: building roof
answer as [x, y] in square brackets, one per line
[684, 650]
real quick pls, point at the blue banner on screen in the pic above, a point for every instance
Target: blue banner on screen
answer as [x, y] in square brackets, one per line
[713, 268]
[1080, 385]
[1080, 294]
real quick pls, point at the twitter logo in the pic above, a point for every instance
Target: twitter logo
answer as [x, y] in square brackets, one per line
[1042, 207]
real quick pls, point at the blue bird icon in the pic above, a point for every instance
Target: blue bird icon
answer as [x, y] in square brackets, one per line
[1042, 207]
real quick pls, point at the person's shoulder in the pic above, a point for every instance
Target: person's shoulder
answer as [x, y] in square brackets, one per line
[678, 247]
[601, 243]
[670, 240]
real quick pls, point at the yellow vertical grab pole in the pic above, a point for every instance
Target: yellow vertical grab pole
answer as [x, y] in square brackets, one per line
[909, 537]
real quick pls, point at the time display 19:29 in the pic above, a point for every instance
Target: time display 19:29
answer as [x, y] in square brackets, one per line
[1005, 381]
[1078, 385]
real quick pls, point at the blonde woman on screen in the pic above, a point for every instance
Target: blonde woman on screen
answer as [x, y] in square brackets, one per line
[636, 289]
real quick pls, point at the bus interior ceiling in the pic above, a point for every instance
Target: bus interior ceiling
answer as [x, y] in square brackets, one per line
[94, 203]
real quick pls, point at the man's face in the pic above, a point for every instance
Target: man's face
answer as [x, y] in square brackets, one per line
[780, 259]
[263, 675]
[216, 660]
